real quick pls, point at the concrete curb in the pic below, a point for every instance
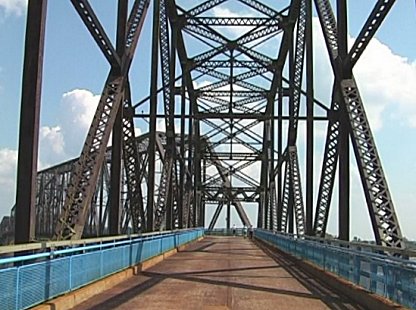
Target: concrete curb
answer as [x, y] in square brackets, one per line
[74, 298]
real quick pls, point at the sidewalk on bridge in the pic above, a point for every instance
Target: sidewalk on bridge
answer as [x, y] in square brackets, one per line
[221, 273]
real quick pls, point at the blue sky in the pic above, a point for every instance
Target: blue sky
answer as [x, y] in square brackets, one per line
[75, 71]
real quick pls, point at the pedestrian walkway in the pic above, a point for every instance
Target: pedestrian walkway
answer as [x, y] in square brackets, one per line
[221, 273]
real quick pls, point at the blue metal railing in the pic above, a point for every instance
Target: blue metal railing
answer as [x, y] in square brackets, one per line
[57, 272]
[387, 276]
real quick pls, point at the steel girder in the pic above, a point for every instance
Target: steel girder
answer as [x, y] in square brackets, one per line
[327, 180]
[216, 215]
[213, 99]
[292, 195]
[72, 220]
[292, 191]
[262, 8]
[29, 121]
[380, 205]
[194, 159]
[226, 155]
[167, 198]
[374, 21]
[226, 183]
[331, 147]
[81, 188]
[132, 163]
[230, 21]
[53, 183]
[203, 7]
[296, 191]
[91, 21]
[267, 169]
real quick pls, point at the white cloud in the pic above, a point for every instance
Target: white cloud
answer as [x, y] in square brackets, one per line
[53, 137]
[201, 84]
[78, 109]
[223, 12]
[161, 125]
[17, 7]
[51, 146]
[387, 81]
[81, 105]
[137, 131]
[386, 84]
[65, 140]
[56, 143]
[8, 164]
[8, 160]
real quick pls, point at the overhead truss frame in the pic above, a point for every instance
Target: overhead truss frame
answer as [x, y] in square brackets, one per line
[228, 107]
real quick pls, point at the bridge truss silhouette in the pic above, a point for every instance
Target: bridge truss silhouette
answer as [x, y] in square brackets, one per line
[232, 92]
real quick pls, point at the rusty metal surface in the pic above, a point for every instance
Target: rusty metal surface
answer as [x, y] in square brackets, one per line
[220, 273]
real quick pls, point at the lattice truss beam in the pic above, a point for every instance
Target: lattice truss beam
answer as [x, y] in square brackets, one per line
[52, 184]
[380, 205]
[231, 95]
[84, 178]
[232, 73]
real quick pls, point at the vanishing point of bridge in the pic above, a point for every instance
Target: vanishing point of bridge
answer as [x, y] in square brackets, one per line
[232, 93]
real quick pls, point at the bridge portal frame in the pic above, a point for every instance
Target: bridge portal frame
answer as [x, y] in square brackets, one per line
[279, 190]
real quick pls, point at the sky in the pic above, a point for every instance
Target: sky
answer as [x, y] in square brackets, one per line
[75, 71]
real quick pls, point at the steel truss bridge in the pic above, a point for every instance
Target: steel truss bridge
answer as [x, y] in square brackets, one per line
[232, 92]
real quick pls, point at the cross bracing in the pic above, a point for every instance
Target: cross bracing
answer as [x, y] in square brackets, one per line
[231, 91]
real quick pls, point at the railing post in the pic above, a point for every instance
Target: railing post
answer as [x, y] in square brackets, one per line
[373, 277]
[17, 288]
[101, 262]
[390, 276]
[357, 269]
[131, 253]
[70, 273]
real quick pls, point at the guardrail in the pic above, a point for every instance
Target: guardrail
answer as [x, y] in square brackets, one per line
[56, 272]
[387, 276]
[225, 232]
[36, 247]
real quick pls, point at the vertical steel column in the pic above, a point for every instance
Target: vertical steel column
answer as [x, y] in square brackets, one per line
[182, 158]
[228, 218]
[309, 118]
[101, 224]
[265, 179]
[279, 154]
[29, 122]
[191, 151]
[290, 208]
[344, 149]
[117, 139]
[271, 189]
[115, 175]
[171, 146]
[197, 170]
[152, 120]
[202, 210]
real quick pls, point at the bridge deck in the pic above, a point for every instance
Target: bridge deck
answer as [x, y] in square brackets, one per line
[221, 273]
